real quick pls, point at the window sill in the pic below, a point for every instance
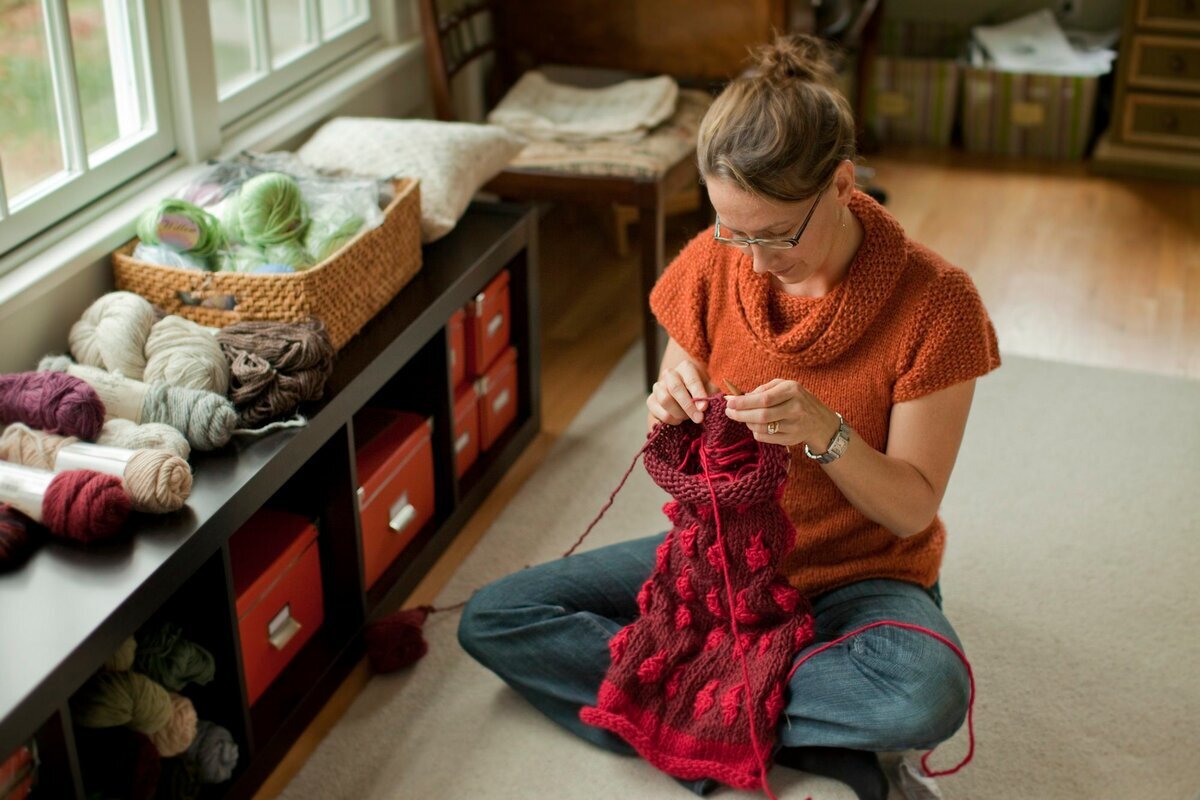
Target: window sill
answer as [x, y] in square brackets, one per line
[88, 237]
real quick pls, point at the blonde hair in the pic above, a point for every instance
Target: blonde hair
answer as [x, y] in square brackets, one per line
[780, 129]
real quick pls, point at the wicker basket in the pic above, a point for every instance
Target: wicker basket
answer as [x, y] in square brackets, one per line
[344, 291]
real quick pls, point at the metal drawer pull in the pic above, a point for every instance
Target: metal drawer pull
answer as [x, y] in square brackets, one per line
[283, 628]
[462, 441]
[495, 324]
[501, 401]
[403, 517]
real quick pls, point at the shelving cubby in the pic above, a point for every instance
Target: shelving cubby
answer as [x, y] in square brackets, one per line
[67, 610]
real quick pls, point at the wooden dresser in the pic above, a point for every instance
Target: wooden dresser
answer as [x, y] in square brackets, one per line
[1155, 130]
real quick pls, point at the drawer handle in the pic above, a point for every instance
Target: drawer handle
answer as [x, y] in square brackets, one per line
[1171, 122]
[453, 357]
[462, 441]
[495, 324]
[501, 401]
[283, 628]
[403, 517]
[1177, 63]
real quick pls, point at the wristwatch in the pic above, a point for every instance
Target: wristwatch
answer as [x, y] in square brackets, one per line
[837, 446]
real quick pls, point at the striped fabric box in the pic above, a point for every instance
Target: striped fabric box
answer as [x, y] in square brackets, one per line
[913, 100]
[1042, 116]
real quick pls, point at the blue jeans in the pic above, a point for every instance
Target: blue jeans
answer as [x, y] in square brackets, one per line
[545, 631]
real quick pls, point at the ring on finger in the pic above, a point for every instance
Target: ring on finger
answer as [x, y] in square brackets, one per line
[772, 428]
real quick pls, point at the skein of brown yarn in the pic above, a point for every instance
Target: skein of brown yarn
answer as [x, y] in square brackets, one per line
[275, 366]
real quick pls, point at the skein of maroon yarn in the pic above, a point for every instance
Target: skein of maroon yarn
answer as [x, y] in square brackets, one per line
[19, 536]
[51, 401]
[119, 762]
[85, 506]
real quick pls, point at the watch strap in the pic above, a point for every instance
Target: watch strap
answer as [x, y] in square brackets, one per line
[837, 445]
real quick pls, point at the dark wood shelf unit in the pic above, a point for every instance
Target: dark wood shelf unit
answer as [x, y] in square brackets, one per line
[177, 567]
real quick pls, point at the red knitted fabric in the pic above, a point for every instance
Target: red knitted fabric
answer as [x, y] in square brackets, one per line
[697, 682]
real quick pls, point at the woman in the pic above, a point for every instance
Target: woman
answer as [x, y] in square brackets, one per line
[859, 349]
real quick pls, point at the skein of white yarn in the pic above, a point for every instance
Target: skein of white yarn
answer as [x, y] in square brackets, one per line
[181, 353]
[112, 334]
[147, 436]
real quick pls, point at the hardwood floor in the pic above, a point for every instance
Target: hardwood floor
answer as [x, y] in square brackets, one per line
[1072, 267]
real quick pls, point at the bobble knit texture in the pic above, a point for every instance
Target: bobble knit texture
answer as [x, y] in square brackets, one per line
[677, 688]
[903, 323]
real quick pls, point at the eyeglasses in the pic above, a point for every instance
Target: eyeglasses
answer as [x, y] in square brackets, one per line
[769, 244]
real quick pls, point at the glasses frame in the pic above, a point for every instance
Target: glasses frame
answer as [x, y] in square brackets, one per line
[770, 244]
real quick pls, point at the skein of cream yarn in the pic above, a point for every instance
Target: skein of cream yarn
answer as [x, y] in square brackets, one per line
[112, 334]
[180, 352]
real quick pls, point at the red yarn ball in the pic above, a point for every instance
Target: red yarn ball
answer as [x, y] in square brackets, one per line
[396, 641]
[85, 506]
[18, 537]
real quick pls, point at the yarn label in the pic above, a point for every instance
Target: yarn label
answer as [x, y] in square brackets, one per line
[178, 232]
[98, 457]
[123, 398]
[24, 487]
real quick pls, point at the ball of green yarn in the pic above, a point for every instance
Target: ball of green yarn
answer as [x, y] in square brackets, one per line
[291, 252]
[164, 655]
[122, 698]
[270, 209]
[181, 226]
[122, 660]
[328, 232]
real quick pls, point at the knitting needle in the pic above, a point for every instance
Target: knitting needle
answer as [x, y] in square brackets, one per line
[729, 385]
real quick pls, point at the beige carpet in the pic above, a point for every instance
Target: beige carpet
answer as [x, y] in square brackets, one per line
[1072, 576]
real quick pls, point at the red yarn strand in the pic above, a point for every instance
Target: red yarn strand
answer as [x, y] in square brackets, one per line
[943, 640]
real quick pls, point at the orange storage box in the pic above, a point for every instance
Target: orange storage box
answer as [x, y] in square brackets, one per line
[466, 429]
[497, 392]
[17, 773]
[277, 580]
[456, 337]
[395, 476]
[488, 326]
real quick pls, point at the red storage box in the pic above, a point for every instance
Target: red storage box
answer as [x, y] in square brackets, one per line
[456, 335]
[277, 579]
[497, 392]
[488, 326]
[466, 429]
[17, 773]
[395, 476]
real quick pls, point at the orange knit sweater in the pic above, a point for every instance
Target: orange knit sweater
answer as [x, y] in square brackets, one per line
[902, 324]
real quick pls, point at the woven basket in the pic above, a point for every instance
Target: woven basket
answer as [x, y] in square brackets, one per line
[344, 291]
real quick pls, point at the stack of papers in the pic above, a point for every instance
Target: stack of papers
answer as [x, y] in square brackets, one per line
[1036, 43]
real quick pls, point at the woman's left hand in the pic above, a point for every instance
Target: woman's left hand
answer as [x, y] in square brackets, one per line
[784, 412]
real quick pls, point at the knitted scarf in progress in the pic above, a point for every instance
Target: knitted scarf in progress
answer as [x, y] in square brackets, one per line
[696, 683]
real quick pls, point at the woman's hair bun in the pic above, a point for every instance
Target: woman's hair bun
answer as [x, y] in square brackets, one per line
[796, 56]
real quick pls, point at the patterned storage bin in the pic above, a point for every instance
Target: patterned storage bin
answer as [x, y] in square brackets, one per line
[913, 100]
[1044, 116]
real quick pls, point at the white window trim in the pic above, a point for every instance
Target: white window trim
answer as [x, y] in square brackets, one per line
[85, 183]
[90, 235]
[312, 59]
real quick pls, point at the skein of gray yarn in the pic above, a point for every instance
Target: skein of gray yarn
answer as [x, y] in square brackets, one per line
[214, 752]
[207, 419]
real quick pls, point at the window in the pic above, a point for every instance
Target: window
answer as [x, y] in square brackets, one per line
[82, 88]
[95, 92]
[261, 47]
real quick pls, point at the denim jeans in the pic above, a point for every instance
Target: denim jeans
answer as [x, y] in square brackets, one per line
[545, 631]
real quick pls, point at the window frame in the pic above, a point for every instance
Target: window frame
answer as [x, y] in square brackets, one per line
[273, 81]
[77, 185]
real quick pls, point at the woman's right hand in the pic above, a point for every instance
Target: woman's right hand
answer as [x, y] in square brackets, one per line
[679, 394]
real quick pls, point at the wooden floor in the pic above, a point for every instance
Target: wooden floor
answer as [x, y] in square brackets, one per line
[1071, 267]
